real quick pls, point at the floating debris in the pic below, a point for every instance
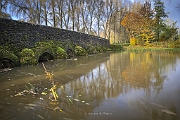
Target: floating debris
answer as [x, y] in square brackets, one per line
[32, 105]
[40, 116]
[87, 103]
[83, 101]
[67, 119]
[62, 87]
[5, 70]
[41, 98]
[76, 100]
[68, 96]
[64, 112]
[19, 94]
[141, 102]
[158, 105]
[31, 74]
[25, 91]
[56, 108]
[44, 93]
[12, 84]
[71, 101]
[169, 112]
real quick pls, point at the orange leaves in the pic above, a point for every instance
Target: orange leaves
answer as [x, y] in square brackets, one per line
[132, 23]
[138, 25]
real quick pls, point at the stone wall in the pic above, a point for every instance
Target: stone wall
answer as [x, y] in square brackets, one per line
[22, 34]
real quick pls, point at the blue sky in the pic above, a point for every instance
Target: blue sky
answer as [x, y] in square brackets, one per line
[171, 6]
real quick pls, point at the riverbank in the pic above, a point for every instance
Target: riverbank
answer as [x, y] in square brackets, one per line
[145, 48]
[173, 46]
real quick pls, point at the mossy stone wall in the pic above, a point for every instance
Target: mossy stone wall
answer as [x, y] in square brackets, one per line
[25, 35]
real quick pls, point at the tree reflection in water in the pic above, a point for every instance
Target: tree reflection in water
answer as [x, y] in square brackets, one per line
[127, 72]
[133, 86]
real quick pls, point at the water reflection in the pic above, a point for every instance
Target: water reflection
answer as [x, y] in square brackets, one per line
[133, 86]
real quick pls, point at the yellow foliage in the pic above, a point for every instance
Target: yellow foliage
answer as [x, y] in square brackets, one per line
[133, 41]
[53, 90]
[138, 26]
[49, 75]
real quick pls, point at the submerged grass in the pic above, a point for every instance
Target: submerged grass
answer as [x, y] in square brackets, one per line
[56, 95]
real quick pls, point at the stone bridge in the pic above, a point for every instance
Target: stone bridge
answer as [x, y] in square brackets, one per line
[24, 35]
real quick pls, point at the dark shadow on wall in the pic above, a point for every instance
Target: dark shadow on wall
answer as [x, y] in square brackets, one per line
[70, 53]
[45, 57]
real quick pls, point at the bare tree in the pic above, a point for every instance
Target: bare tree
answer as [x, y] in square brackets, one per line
[3, 9]
[87, 16]
[44, 11]
[60, 5]
[53, 12]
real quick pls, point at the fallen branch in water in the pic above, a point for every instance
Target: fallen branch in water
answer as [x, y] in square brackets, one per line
[44, 67]
[48, 74]
[50, 77]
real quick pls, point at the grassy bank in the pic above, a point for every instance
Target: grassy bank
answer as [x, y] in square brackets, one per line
[145, 48]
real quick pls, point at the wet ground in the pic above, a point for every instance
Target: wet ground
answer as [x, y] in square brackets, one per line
[117, 86]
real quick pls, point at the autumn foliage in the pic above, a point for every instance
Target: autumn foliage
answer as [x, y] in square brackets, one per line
[132, 23]
[139, 25]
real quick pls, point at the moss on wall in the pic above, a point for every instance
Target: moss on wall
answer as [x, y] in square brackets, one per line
[91, 50]
[47, 46]
[80, 51]
[5, 54]
[27, 57]
[61, 53]
[26, 35]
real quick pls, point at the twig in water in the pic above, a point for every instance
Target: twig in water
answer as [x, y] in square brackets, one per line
[140, 102]
[158, 105]
[44, 67]
[169, 112]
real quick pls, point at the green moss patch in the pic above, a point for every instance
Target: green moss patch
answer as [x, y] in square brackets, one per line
[43, 47]
[80, 51]
[27, 57]
[101, 49]
[5, 54]
[61, 53]
[91, 50]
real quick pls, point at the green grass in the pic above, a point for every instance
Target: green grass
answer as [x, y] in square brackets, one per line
[143, 48]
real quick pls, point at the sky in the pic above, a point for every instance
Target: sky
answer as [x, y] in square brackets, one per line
[171, 6]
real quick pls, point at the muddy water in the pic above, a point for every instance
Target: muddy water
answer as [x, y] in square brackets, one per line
[116, 86]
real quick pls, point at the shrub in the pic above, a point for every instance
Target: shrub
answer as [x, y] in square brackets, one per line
[116, 47]
[101, 49]
[79, 51]
[91, 50]
[8, 55]
[61, 53]
[133, 41]
[174, 44]
[27, 57]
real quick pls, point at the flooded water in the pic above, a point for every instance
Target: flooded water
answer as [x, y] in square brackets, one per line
[109, 86]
